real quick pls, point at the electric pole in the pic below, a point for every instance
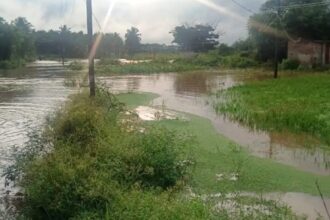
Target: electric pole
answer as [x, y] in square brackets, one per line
[91, 73]
[277, 41]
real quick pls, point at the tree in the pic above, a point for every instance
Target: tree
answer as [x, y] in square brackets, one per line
[5, 40]
[293, 22]
[64, 40]
[112, 45]
[47, 43]
[200, 38]
[132, 41]
[23, 44]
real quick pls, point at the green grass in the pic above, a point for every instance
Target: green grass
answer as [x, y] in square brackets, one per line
[173, 63]
[92, 157]
[135, 99]
[299, 104]
[147, 68]
[216, 154]
[99, 168]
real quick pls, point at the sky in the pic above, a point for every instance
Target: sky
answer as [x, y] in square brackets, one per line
[154, 18]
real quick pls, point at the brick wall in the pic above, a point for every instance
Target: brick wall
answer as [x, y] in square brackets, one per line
[306, 52]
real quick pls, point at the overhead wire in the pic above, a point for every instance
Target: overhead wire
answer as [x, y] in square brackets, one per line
[96, 20]
[298, 6]
[243, 7]
[305, 5]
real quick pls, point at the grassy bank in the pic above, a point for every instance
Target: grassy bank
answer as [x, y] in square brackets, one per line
[96, 161]
[299, 104]
[174, 63]
[216, 154]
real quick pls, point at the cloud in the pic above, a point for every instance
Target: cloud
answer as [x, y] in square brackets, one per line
[154, 18]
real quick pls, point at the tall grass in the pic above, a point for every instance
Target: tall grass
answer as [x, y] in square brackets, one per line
[299, 104]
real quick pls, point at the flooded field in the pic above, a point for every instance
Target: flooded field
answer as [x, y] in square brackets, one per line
[25, 101]
[28, 96]
[190, 93]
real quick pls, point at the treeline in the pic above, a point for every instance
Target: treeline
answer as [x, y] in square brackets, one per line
[16, 42]
[19, 42]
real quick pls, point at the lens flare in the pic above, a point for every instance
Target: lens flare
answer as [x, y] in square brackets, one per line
[221, 9]
[105, 22]
[261, 27]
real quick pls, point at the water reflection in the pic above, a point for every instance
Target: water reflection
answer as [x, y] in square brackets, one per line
[189, 93]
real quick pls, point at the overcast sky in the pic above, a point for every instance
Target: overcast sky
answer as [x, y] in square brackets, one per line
[154, 18]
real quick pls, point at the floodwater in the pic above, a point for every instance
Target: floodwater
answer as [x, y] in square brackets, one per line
[190, 92]
[27, 96]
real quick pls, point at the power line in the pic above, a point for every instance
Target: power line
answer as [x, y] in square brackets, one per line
[243, 7]
[297, 6]
[95, 19]
[306, 5]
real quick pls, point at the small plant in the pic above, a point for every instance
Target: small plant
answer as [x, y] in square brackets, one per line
[76, 65]
[288, 64]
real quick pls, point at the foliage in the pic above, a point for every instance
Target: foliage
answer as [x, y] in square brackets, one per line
[140, 206]
[112, 45]
[76, 65]
[215, 154]
[225, 50]
[288, 64]
[262, 30]
[298, 104]
[132, 41]
[89, 160]
[16, 42]
[238, 61]
[77, 174]
[295, 22]
[161, 64]
[305, 22]
[199, 38]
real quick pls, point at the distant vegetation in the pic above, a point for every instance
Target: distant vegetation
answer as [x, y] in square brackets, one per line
[198, 38]
[16, 43]
[20, 43]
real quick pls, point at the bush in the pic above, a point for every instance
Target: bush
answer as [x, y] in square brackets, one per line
[237, 61]
[288, 64]
[89, 157]
[139, 205]
[11, 64]
[76, 65]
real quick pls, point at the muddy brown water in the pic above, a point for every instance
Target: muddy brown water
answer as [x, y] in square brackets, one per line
[190, 93]
[28, 95]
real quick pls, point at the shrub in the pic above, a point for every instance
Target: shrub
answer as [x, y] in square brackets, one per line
[86, 160]
[76, 65]
[288, 64]
[237, 61]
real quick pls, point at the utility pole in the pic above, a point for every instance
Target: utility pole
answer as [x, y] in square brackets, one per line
[61, 44]
[277, 41]
[91, 72]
